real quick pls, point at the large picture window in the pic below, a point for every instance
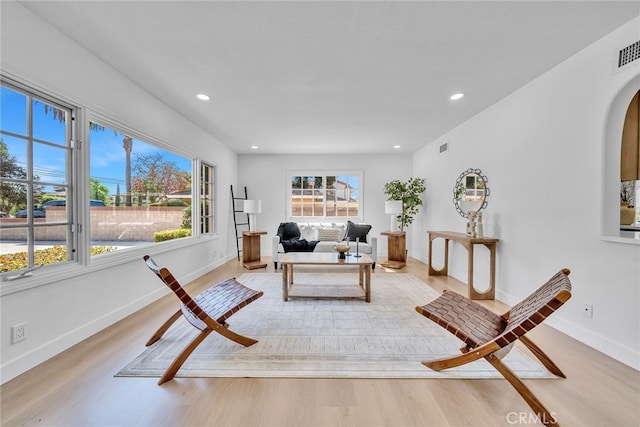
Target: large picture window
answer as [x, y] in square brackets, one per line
[145, 191]
[206, 198]
[65, 199]
[325, 195]
[36, 191]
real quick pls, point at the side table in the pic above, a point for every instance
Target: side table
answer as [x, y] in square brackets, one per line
[251, 250]
[468, 242]
[397, 249]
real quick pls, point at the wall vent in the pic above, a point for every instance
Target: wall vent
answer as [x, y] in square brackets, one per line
[444, 147]
[629, 54]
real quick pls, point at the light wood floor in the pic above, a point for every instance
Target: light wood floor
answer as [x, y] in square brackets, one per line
[77, 387]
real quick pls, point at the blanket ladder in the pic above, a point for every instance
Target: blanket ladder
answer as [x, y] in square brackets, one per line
[239, 223]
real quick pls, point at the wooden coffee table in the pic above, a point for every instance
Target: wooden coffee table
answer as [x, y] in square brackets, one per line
[360, 291]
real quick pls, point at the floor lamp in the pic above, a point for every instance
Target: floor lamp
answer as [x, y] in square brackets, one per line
[252, 207]
[393, 208]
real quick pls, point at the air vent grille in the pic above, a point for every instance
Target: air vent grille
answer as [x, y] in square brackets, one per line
[444, 147]
[629, 54]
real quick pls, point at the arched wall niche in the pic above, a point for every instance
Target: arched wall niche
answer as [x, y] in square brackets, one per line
[612, 144]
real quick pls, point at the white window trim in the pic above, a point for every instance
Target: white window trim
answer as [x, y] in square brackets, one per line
[84, 262]
[50, 274]
[324, 172]
[73, 156]
[194, 215]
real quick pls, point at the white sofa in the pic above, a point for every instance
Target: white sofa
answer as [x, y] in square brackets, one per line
[327, 234]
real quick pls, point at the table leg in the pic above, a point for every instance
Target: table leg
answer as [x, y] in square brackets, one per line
[361, 275]
[430, 256]
[290, 275]
[489, 293]
[367, 283]
[444, 271]
[285, 283]
[445, 267]
[492, 271]
[472, 290]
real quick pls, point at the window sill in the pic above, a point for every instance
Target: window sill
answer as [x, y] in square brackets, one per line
[50, 274]
[625, 237]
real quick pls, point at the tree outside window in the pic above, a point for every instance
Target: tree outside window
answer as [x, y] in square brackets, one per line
[147, 189]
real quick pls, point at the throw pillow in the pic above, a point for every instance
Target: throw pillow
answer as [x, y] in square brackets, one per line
[288, 231]
[328, 234]
[308, 231]
[357, 230]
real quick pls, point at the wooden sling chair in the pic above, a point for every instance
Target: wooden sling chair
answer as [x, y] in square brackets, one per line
[490, 336]
[207, 312]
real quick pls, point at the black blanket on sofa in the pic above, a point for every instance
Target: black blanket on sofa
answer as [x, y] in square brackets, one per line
[290, 238]
[298, 245]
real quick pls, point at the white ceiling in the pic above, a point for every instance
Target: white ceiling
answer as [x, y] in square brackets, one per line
[332, 76]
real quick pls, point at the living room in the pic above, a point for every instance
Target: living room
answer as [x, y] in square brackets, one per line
[550, 151]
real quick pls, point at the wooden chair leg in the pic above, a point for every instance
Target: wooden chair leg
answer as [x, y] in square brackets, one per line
[451, 362]
[166, 325]
[543, 414]
[240, 339]
[462, 359]
[542, 357]
[184, 354]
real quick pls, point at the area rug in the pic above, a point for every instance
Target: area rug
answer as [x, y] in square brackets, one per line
[325, 338]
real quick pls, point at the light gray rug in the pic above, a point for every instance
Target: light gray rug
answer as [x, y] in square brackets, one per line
[322, 338]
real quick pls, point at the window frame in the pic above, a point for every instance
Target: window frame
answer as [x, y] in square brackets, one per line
[324, 173]
[101, 120]
[71, 154]
[202, 197]
[84, 263]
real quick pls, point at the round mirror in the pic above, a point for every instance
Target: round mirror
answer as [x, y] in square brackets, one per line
[471, 192]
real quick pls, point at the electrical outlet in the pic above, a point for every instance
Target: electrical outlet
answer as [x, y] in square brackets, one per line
[588, 310]
[18, 332]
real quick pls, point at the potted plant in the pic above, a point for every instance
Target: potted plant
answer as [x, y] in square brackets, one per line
[409, 193]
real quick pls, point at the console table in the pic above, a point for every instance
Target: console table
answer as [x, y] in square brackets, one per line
[251, 249]
[468, 242]
[397, 249]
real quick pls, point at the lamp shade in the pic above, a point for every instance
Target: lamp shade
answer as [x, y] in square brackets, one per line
[252, 206]
[393, 207]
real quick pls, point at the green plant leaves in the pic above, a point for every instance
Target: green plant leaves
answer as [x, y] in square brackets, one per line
[410, 193]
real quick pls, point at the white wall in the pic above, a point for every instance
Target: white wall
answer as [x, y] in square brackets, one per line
[266, 178]
[543, 149]
[63, 313]
[547, 138]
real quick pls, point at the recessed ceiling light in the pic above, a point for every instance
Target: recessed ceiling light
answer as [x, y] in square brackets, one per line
[396, 147]
[254, 147]
[202, 97]
[456, 96]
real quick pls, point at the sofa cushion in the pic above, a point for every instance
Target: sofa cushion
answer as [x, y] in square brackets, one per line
[357, 231]
[288, 231]
[280, 246]
[308, 231]
[329, 234]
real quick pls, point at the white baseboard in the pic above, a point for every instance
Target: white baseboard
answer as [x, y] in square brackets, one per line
[29, 360]
[26, 361]
[603, 344]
